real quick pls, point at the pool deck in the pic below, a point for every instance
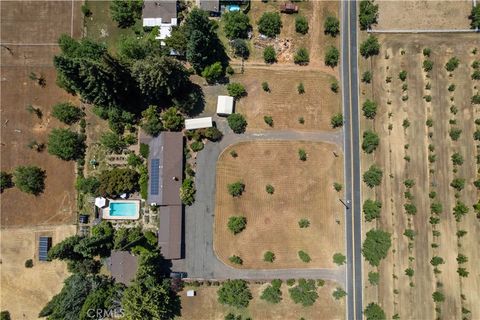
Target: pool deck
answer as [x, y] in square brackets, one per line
[106, 210]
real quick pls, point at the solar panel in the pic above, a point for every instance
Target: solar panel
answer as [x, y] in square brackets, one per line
[44, 244]
[154, 176]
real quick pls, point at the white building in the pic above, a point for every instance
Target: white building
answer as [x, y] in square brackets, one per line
[162, 14]
[224, 105]
[198, 123]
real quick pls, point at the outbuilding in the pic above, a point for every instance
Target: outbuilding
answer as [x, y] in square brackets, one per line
[198, 123]
[224, 105]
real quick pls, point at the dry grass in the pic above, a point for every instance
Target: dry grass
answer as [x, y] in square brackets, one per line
[302, 190]
[204, 305]
[283, 103]
[24, 292]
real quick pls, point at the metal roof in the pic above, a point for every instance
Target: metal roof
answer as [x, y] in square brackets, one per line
[224, 105]
[170, 232]
[198, 123]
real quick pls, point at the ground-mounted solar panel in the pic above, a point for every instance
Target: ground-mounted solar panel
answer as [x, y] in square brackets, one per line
[44, 244]
[154, 176]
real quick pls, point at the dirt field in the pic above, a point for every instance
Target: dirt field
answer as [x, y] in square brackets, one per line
[57, 204]
[283, 103]
[204, 305]
[24, 292]
[424, 14]
[394, 292]
[302, 190]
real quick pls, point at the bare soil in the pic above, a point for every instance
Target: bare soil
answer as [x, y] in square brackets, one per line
[303, 189]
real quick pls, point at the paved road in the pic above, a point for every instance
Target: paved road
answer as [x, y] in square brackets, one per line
[353, 225]
[201, 261]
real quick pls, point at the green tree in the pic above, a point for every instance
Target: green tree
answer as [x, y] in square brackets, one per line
[272, 293]
[87, 185]
[236, 189]
[370, 141]
[331, 26]
[237, 122]
[458, 184]
[475, 17]
[304, 256]
[113, 142]
[337, 120]
[304, 293]
[373, 278]
[376, 246]
[172, 119]
[301, 24]
[370, 47]
[402, 75]
[236, 90]
[133, 47]
[373, 176]
[126, 12]
[118, 181]
[457, 159]
[67, 113]
[270, 24]
[66, 144]
[268, 120]
[5, 315]
[65, 250]
[237, 224]
[339, 293]
[151, 121]
[187, 192]
[331, 56]
[269, 256]
[368, 14]
[452, 64]
[235, 293]
[235, 260]
[240, 48]
[303, 223]
[371, 209]
[339, 259]
[374, 312]
[269, 54]
[438, 296]
[270, 189]
[460, 210]
[427, 65]
[5, 181]
[369, 108]
[237, 24]
[302, 154]
[367, 77]
[29, 179]
[301, 57]
[213, 73]
[213, 134]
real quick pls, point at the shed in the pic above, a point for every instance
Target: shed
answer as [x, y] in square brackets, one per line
[44, 244]
[123, 266]
[224, 105]
[198, 123]
[170, 232]
[191, 293]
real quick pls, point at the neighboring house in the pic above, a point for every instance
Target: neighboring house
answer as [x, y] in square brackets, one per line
[165, 179]
[162, 14]
[198, 123]
[211, 6]
[123, 266]
[224, 105]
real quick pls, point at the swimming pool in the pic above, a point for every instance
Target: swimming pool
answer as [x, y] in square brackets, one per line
[233, 7]
[122, 209]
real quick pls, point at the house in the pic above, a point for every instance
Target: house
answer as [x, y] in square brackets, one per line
[161, 14]
[123, 266]
[211, 6]
[165, 179]
[198, 123]
[224, 105]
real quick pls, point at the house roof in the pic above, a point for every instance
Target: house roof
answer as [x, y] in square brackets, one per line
[123, 266]
[165, 165]
[209, 5]
[164, 9]
[198, 123]
[224, 105]
[170, 232]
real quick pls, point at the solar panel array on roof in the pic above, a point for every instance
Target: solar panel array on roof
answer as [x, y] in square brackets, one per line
[154, 176]
[43, 246]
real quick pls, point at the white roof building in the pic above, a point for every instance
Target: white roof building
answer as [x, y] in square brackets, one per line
[162, 14]
[224, 105]
[198, 123]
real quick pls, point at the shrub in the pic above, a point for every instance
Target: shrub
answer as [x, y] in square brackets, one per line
[235, 259]
[458, 184]
[236, 90]
[301, 120]
[66, 145]
[304, 293]
[126, 13]
[331, 26]
[237, 224]
[304, 256]
[237, 123]
[435, 261]
[462, 272]
[29, 263]
[337, 120]
[117, 181]
[409, 183]
[272, 294]
[339, 293]
[265, 87]
[302, 154]
[235, 293]
[426, 52]
[427, 65]
[331, 56]
[373, 278]
[270, 24]
[402, 75]
[334, 86]
[370, 141]
[229, 70]
[301, 57]
[476, 98]
[301, 88]
[196, 146]
[373, 176]
[303, 223]
[376, 246]
[457, 159]
[269, 256]
[460, 210]
[67, 113]
[269, 55]
[301, 24]
[240, 48]
[370, 47]
[452, 64]
[270, 189]
[29, 179]
[451, 87]
[213, 134]
[369, 109]
[438, 296]
[371, 209]
[367, 77]
[476, 75]
[436, 207]
[144, 150]
[410, 208]
[290, 282]
[187, 192]
[172, 119]
[339, 259]
[337, 186]
[374, 312]
[113, 142]
[406, 123]
[462, 258]
[236, 189]
[234, 154]
[134, 160]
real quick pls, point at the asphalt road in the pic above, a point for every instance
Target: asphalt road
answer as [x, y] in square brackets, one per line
[353, 225]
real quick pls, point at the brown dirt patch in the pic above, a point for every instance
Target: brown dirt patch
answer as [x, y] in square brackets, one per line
[204, 306]
[424, 14]
[283, 103]
[302, 190]
[25, 291]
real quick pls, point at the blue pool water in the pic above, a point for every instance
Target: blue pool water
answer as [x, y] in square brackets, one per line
[233, 7]
[123, 209]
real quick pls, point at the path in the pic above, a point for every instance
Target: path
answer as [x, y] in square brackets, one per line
[201, 262]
